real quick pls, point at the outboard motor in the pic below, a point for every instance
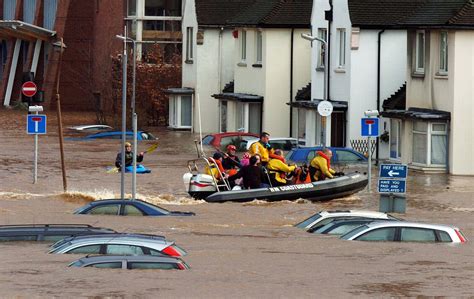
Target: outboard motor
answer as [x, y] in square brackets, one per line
[199, 185]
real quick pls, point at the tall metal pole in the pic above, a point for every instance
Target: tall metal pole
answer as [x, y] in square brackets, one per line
[134, 123]
[124, 114]
[60, 120]
[35, 164]
[369, 170]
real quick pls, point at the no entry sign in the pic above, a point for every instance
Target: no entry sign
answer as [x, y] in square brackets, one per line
[29, 89]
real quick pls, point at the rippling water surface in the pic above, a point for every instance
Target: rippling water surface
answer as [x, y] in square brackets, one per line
[235, 249]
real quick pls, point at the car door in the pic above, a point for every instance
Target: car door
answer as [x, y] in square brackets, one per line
[129, 209]
[121, 249]
[417, 234]
[105, 209]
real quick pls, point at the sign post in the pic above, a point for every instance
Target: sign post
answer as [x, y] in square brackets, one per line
[370, 128]
[35, 125]
[392, 187]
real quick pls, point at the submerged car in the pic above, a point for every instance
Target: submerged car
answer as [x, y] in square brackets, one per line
[48, 232]
[341, 227]
[120, 244]
[222, 140]
[90, 128]
[141, 135]
[403, 231]
[324, 217]
[127, 207]
[131, 262]
[342, 156]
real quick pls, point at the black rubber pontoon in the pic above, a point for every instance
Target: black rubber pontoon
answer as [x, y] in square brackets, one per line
[317, 191]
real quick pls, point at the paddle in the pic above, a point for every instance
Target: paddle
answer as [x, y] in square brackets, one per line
[150, 149]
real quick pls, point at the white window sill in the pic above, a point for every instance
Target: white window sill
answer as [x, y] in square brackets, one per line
[443, 76]
[242, 63]
[340, 70]
[320, 69]
[418, 74]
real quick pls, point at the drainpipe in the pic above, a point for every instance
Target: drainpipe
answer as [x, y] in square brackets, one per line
[329, 19]
[219, 69]
[447, 144]
[291, 82]
[379, 52]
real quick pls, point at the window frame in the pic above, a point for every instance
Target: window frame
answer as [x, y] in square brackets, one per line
[189, 44]
[322, 34]
[175, 119]
[398, 133]
[420, 69]
[258, 47]
[342, 43]
[243, 46]
[443, 53]
[430, 132]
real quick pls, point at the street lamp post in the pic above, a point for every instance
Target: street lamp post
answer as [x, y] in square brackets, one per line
[325, 91]
[61, 46]
[134, 114]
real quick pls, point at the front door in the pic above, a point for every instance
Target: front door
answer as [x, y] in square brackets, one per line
[338, 129]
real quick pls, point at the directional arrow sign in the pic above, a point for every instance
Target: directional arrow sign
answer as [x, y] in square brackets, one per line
[393, 171]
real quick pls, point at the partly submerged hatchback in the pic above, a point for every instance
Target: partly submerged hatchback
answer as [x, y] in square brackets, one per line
[119, 244]
[404, 231]
[127, 207]
[324, 217]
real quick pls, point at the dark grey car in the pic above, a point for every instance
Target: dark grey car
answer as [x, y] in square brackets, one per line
[48, 232]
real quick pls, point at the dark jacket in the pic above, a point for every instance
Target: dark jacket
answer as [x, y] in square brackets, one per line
[128, 159]
[231, 161]
[252, 175]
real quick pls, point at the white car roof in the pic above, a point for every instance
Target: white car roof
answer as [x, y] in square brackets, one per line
[358, 213]
[82, 127]
[378, 224]
[153, 244]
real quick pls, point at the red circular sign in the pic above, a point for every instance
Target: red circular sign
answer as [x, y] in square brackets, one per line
[29, 89]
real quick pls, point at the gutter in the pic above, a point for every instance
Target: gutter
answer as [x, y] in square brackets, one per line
[329, 19]
[379, 51]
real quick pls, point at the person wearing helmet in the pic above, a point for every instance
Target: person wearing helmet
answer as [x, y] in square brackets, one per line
[128, 156]
[231, 161]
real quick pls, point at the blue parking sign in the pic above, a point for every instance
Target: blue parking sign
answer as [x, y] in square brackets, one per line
[36, 124]
[369, 127]
[393, 171]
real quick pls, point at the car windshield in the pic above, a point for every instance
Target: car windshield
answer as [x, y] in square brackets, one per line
[344, 228]
[354, 232]
[308, 221]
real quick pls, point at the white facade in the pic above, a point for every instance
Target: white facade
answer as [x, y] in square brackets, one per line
[353, 70]
[448, 89]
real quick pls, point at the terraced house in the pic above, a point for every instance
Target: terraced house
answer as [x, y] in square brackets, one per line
[244, 60]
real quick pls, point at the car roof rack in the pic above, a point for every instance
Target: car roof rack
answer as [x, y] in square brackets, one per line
[48, 225]
[118, 235]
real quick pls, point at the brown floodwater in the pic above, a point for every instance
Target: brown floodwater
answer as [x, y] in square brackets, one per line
[234, 249]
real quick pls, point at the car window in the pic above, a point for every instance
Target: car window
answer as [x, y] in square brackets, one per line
[411, 234]
[144, 136]
[18, 238]
[342, 229]
[113, 265]
[234, 140]
[156, 252]
[152, 265]
[381, 234]
[289, 155]
[444, 236]
[88, 249]
[130, 210]
[124, 249]
[156, 208]
[310, 156]
[207, 140]
[308, 221]
[346, 156]
[105, 210]
[54, 238]
[280, 144]
[354, 232]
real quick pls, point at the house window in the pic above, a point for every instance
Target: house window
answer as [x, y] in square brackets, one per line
[322, 34]
[395, 138]
[132, 7]
[3, 56]
[443, 53]
[429, 143]
[189, 44]
[420, 52]
[341, 35]
[180, 111]
[254, 117]
[243, 46]
[240, 117]
[259, 46]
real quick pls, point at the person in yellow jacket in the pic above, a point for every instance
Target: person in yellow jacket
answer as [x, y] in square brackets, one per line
[278, 170]
[263, 148]
[320, 166]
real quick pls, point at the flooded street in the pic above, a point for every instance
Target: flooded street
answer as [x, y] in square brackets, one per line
[234, 249]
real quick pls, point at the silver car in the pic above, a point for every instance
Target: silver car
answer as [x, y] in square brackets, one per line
[119, 244]
[404, 231]
[131, 262]
[322, 218]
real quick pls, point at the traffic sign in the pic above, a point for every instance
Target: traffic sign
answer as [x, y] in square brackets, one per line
[29, 89]
[36, 124]
[392, 186]
[369, 127]
[393, 171]
[325, 108]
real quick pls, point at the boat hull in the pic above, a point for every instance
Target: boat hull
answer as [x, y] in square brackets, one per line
[316, 191]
